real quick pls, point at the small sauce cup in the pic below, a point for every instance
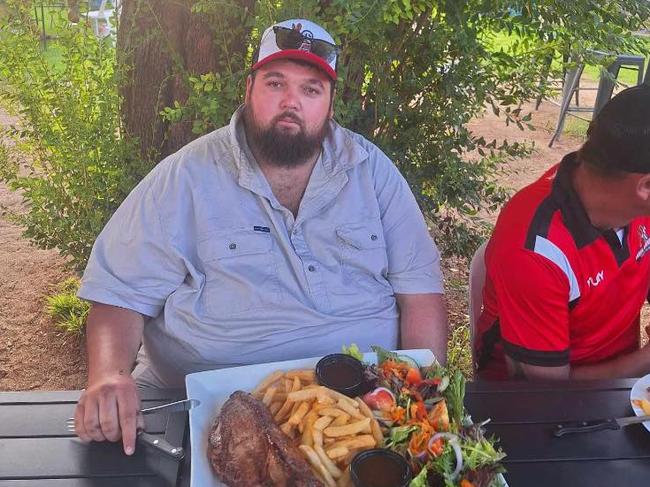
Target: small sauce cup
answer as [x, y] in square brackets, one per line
[340, 372]
[380, 468]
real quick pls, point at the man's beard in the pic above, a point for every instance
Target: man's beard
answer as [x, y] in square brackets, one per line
[277, 146]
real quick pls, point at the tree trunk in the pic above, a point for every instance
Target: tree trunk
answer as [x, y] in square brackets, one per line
[159, 43]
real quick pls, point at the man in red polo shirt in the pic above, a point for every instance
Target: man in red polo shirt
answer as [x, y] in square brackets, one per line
[568, 264]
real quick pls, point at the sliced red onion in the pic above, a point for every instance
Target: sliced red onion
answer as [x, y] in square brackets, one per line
[453, 441]
[387, 390]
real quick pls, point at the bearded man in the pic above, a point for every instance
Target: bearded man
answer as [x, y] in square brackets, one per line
[280, 236]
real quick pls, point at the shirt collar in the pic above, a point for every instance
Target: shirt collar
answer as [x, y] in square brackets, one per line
[573, 212]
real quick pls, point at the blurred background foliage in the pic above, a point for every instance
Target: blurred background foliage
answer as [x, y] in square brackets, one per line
[100, 112]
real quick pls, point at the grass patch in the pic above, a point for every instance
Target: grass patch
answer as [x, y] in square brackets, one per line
[67, 311]
[459, 351]
[576, 127]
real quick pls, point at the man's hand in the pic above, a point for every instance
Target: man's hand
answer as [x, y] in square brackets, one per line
[109, 410]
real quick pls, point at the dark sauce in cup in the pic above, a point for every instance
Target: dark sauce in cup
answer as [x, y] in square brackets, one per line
[340, 372]
[380, 468]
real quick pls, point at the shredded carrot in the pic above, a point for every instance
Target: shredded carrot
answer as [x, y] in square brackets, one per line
[398, 414]
[466, 483]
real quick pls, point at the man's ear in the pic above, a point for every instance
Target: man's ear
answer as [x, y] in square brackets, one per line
[249, 87]
[643, 187]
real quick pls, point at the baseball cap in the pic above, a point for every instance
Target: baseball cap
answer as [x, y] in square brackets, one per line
[298, 39]
[619, 137]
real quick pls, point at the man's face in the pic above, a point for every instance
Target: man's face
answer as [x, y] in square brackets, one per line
[288, 107]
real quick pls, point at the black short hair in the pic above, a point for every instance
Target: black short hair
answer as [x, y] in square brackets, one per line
[618, 139]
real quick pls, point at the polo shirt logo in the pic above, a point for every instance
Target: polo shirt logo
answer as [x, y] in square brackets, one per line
[599, 277]
[645, 242]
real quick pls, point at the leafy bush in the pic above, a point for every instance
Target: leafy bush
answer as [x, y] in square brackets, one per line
[66, 309]
[414, 72]
[80, 166]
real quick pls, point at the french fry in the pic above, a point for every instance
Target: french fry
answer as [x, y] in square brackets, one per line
[345, 480]
[334, 412]
[352, 411]
[643, 404]
[284, 410]
[275, 407]
[374, 424]
[327, 461]
[316, 462]
[323, 422]
[268, 380]
[337, 452]
[307, 375]
[318, 437]
[305, 394]
[268, 396]
[341, 398]
[287, 429]
[341, 420]
[358, 442]
[361, 426]
[300, 413]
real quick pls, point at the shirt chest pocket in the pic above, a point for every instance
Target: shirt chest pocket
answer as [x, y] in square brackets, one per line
[240, 272]
[362, 252]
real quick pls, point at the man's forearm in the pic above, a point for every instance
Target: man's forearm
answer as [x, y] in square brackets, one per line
[113, 336]
[423, 323]
[635, 364]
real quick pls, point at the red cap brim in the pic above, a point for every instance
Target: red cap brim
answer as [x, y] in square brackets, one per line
[301, 55]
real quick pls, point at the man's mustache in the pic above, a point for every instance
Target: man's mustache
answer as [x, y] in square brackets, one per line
[288, 115]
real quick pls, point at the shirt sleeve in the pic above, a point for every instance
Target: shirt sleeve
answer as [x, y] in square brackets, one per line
[133, 263]
[533, 307]
[413, 258]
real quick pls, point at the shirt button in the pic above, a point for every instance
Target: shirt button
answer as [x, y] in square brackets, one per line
[373, 237]
[232, 246]
[311, 268]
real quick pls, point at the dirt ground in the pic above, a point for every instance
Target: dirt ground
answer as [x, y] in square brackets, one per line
[35, 355]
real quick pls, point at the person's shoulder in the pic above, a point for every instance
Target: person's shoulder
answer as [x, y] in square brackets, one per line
[531, 212]
[370, 156]
[199, 157]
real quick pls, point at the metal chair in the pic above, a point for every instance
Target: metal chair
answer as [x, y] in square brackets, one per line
[604, 90]
[101, 18]
[475, 291]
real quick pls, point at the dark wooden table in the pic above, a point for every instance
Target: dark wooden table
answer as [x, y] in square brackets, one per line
[524, 414]
[36, 449]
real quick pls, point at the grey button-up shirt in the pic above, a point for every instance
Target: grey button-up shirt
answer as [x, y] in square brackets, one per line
[227, 277]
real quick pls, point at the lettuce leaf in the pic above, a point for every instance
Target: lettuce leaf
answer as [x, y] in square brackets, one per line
[421, 479]
[353, 351]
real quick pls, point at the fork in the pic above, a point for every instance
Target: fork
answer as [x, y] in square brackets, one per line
[150, 440]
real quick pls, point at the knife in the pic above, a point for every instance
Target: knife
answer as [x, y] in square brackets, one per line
[161, 445]
[598, 425]
[173, 407]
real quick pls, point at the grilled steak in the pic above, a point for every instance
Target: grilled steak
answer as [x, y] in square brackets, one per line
[247, 449]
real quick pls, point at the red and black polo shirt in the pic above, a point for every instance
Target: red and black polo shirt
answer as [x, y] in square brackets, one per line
[558, 290]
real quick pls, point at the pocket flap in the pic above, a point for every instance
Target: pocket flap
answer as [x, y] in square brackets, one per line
[234, 243]
[361, 235]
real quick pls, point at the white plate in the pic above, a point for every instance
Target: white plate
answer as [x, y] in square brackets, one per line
[214, 387]
[640, 391]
